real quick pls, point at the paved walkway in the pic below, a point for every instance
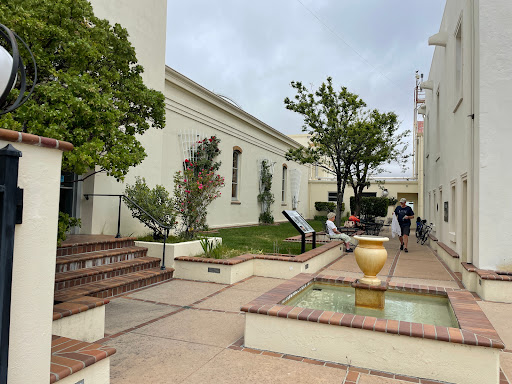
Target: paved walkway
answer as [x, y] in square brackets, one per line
[192, 332]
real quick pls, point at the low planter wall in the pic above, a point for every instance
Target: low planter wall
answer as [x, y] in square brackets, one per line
[173, 250]
[449, 256]
[230, 271]
[86, 326]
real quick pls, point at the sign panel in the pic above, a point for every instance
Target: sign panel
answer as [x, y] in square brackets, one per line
[298, 221]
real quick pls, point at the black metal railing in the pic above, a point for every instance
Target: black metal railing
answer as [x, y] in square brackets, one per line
[167, 228]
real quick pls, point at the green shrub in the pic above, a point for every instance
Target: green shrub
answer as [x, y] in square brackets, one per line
[371, 206]
[156, 202]
[392, 201]
[323, 206]
[211, 249]
[66, 222]
[266, 197]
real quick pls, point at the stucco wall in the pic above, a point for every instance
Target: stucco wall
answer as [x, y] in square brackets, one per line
[193, 108]
[34, 265]
[495, 136]
[465, 158]
[448, 144]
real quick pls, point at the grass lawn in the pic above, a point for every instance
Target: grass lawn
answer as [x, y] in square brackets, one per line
[264, 238]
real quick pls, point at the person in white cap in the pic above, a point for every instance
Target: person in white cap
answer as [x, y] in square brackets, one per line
[404, 214]
[334, 233]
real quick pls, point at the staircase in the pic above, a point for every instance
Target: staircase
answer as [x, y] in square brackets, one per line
[103, 266]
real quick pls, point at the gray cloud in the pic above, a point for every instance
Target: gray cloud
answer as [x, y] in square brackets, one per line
[251, 51]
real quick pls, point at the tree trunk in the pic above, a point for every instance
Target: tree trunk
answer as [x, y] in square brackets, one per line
[340, 184]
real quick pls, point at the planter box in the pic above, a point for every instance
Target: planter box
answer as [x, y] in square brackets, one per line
[230, 271]
[173, 250]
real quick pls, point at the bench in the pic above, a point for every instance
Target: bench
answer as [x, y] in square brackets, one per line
[322, 237]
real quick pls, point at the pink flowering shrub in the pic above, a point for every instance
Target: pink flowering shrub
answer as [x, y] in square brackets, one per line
[196, 187]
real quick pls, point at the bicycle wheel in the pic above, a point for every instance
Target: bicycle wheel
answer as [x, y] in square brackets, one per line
[418, 232]
[425, 236]
[419, 235]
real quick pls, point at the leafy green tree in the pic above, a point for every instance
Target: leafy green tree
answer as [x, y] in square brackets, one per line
[378, 142]
[90, 90]
[330, 117]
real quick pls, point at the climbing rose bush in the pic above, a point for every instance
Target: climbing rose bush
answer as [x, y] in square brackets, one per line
[194, 191]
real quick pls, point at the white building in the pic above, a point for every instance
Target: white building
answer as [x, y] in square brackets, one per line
[191, 109]
[467, 135]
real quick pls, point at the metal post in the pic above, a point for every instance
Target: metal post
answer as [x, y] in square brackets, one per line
[163, 252]
[119, 219]
[9, 161]
[314, 240]
[303, 245]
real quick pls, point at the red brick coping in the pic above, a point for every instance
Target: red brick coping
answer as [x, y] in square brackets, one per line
[70, 356]
[240, 259]
[432, 237]
[475, 327]
[448, 250]
[488, 274]
[78, 305]
[27, 138]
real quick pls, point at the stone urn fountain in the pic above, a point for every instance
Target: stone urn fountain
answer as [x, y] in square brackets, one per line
[370, 256]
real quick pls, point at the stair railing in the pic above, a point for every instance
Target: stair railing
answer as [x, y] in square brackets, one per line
[121, 197]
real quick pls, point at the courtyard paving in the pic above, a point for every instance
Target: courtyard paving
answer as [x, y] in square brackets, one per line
[192, 332]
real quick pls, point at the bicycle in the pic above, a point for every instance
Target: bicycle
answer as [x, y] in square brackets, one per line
[419, 227]
[424, 232]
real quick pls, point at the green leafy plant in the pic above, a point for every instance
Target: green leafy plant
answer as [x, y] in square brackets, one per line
[392, 201]
[155, 201]
[66, 222]
[205, 153]
[211, 249]
[328, 206]
[266, 197]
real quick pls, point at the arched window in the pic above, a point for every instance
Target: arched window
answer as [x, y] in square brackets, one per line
[235, 181]
[283, 184]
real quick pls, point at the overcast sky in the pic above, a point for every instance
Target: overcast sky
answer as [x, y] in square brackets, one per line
[250, 51]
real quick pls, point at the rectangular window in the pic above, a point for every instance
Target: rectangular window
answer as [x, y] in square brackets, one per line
[235, 177]
[333, 197]
[283, 186]
[453, 210]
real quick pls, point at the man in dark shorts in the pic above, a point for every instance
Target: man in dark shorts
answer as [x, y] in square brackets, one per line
[404, 214]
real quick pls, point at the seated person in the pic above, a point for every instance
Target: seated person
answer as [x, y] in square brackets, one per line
[334, 233]
[356, 220]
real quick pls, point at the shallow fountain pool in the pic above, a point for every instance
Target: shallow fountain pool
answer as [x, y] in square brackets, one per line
[403, 306]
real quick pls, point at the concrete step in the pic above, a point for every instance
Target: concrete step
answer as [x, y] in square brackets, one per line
[76, 244]
[115, 285]
[65, 280]
[97, 258]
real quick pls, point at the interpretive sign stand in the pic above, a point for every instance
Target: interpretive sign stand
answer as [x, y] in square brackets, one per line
[302, 226]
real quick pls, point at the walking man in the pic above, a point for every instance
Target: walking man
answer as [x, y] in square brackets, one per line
[404, 214]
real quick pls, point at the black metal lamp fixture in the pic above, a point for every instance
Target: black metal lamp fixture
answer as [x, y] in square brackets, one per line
[13, 73]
